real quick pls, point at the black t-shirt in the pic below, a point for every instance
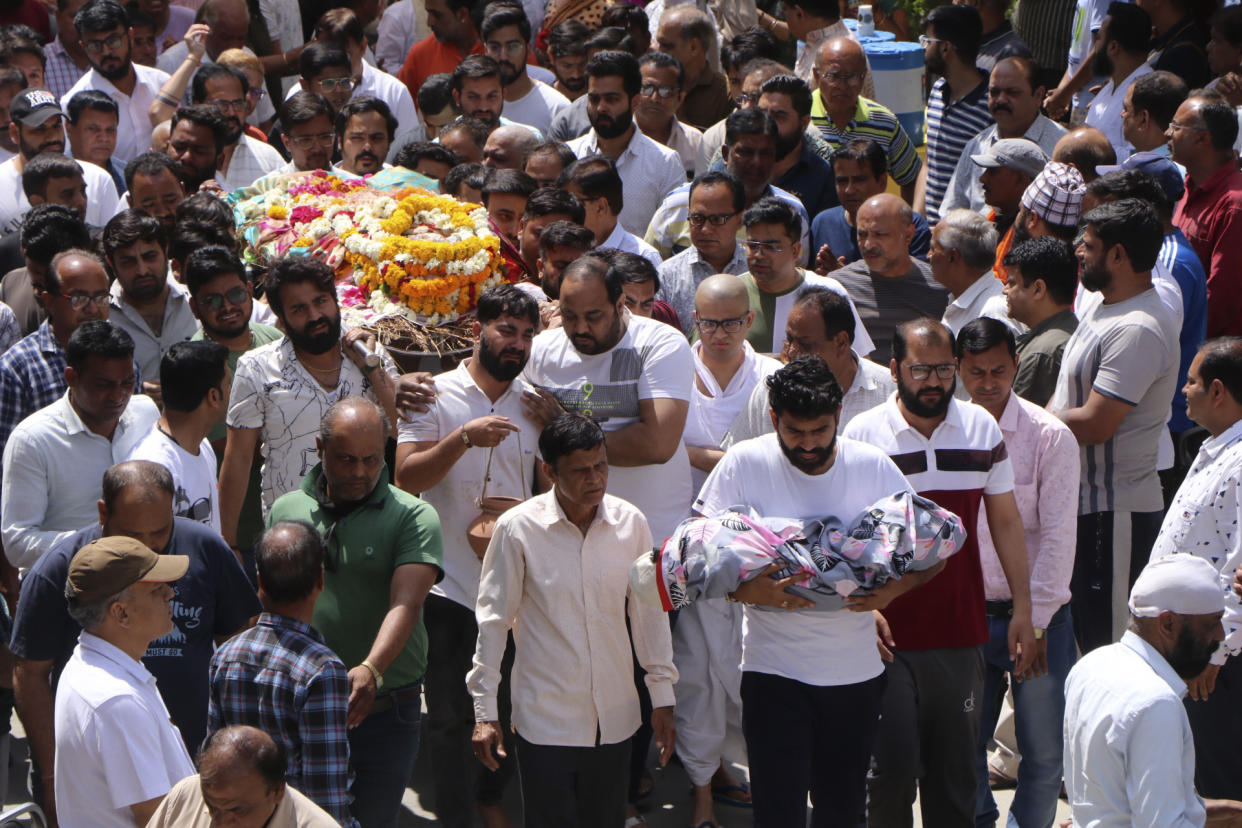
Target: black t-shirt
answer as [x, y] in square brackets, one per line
[213, 598]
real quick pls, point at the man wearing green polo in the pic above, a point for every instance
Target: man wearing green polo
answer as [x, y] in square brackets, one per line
[383, 553]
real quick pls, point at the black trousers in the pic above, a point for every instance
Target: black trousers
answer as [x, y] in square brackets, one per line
[460, 780]
[929, 731]
[807, 739]
[573, 787]
[1112, 549]
[1217, 728]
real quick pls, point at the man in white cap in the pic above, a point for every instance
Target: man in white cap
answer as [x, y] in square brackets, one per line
[1129, 756]
[1202, 521]
[114, 737]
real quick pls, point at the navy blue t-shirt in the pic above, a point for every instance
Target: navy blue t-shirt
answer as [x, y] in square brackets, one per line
[213, 598]
[831, 228]
[812, 182]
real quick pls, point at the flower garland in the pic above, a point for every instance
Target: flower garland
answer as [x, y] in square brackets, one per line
[412, 252]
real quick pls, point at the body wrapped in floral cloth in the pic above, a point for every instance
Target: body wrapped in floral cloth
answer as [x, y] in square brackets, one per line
[710, 557]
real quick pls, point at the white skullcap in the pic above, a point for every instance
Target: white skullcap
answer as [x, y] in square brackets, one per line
[1181, 584]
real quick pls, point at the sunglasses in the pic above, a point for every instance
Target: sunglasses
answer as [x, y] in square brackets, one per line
[213, 302]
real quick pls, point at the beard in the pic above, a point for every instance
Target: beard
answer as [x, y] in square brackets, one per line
[1020, 233]
[1095, 278]
[1189, 657]
[797, 455]
[935, 64]
[589, 345]
[236, 128]
[29, 151]
[919, 406]
[146, 293]
[1101, 65]
[493, 361]
[786, 145]
[508, 73]
[320, 342]
[608, 127]
[573, 84]
[118, 71]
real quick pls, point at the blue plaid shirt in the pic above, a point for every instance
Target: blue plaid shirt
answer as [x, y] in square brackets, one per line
[280, 677]
[32, 375]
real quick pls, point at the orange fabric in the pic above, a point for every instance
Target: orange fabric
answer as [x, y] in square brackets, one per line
[1002, 250]
[428, 57]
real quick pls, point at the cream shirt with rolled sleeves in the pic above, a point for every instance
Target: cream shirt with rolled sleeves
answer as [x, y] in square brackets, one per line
[564, 596]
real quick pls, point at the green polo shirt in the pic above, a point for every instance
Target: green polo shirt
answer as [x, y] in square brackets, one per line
[391, 528]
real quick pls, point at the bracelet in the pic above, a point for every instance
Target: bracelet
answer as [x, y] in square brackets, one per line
[166, 99]
[379, 680]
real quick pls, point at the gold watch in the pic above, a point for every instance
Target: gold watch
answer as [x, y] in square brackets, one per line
[1039, 633]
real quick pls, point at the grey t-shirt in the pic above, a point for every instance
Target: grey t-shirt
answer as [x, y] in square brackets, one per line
[1127, 351]
[885, 302]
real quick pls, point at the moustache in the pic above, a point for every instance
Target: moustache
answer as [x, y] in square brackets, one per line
[363, 155]
[1001, 108]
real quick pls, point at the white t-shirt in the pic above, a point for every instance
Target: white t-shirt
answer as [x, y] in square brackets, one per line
[195, 493]
[1105, 111]
[101, 196]
[456, 497]
[537, 107]
[1088, 18]
[273, 392]
[651, 361]
[817, 648]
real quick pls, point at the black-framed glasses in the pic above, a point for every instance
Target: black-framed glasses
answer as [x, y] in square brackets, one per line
[108, 44]
[235, 296]
[79, 301]
[746, 99]
[944, 370]
[708, 326]
[235, 105]
[714, 219]
[770, 248]
[653, 89]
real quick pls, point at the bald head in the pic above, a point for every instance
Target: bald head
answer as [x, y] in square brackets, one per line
[886, 207]
[840, 49]
[241, 750]
[885, 228]
[1085, 148]
[351, 417]
[216, 10]
[508, 147]
[723, 287]
[139, 481]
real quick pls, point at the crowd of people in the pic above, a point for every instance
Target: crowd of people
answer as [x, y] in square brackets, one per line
[738, 281]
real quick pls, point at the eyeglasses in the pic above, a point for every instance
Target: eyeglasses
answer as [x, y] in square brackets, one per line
[1174, 125]
[79, 301]
[236, 297]
[708, 326]
[715, 219]
[652, 89]
[746, 99]
[343, 84]
[110, 44]
[323, 139]
[235, 105]
[513, 47]
[924, 40]
[771, 248]
[944, 370]
[842, 77]
[256, 94]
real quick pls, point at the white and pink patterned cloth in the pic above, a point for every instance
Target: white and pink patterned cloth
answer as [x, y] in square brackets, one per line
[710, 557]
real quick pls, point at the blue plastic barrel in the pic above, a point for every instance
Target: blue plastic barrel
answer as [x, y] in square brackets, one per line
[897, 68]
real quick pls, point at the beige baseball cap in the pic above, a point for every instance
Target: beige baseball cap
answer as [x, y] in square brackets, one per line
[109, 565]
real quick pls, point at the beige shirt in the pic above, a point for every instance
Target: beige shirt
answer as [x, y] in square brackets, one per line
[184, 808]
[564, 597]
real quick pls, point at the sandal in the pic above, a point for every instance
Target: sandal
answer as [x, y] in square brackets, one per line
[724, 795]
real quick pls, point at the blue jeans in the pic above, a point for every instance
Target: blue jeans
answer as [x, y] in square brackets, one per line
[1039, 707]
[382, 751]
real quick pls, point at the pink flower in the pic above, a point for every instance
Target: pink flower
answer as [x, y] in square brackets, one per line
[304, 214]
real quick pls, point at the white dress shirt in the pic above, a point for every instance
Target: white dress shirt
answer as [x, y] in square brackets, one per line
[1129, 755]
[53, 465]
[649, 172]
[1204, 519]
[133, 130]
[621, 239]
[1105, 111]
[252, 160]
[379, 84]
[401, 25]
[564, 597]
[115, 743]
[986, 297]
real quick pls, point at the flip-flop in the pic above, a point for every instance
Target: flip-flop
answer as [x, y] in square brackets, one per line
[720, 793]
[631, 822]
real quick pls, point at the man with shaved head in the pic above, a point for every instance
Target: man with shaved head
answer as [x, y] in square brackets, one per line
[953, 452]
[213, 599]
[241, 772]
[1085, 148]
[689, 34]
[887, 285]
[843, 114]
[707, 641]
[1014, 97]
[507, 147]
[384, 553]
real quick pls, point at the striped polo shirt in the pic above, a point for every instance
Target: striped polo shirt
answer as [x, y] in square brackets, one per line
[964, 460]
[950, 126]
[874, 121]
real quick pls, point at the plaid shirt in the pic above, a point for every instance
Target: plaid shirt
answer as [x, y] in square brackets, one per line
[61, 72]
[280, 677]
[32, 375]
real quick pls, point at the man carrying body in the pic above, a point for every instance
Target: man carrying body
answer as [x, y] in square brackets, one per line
[364, 131]
[574, 703]
[244, 160]
[384, 553]
[887, 285]
[476, 440]
[1045, 458]
[115, 740]
[197, 141]
[1039, 293]
[1116, 385]
[506, 38]
[147, 303]
[308, 132]
[597, 183]
[930, 718]
[280, 674]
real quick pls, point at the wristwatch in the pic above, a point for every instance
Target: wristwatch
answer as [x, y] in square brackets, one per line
[1039, 633]
[379, 679]
[465, 438]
